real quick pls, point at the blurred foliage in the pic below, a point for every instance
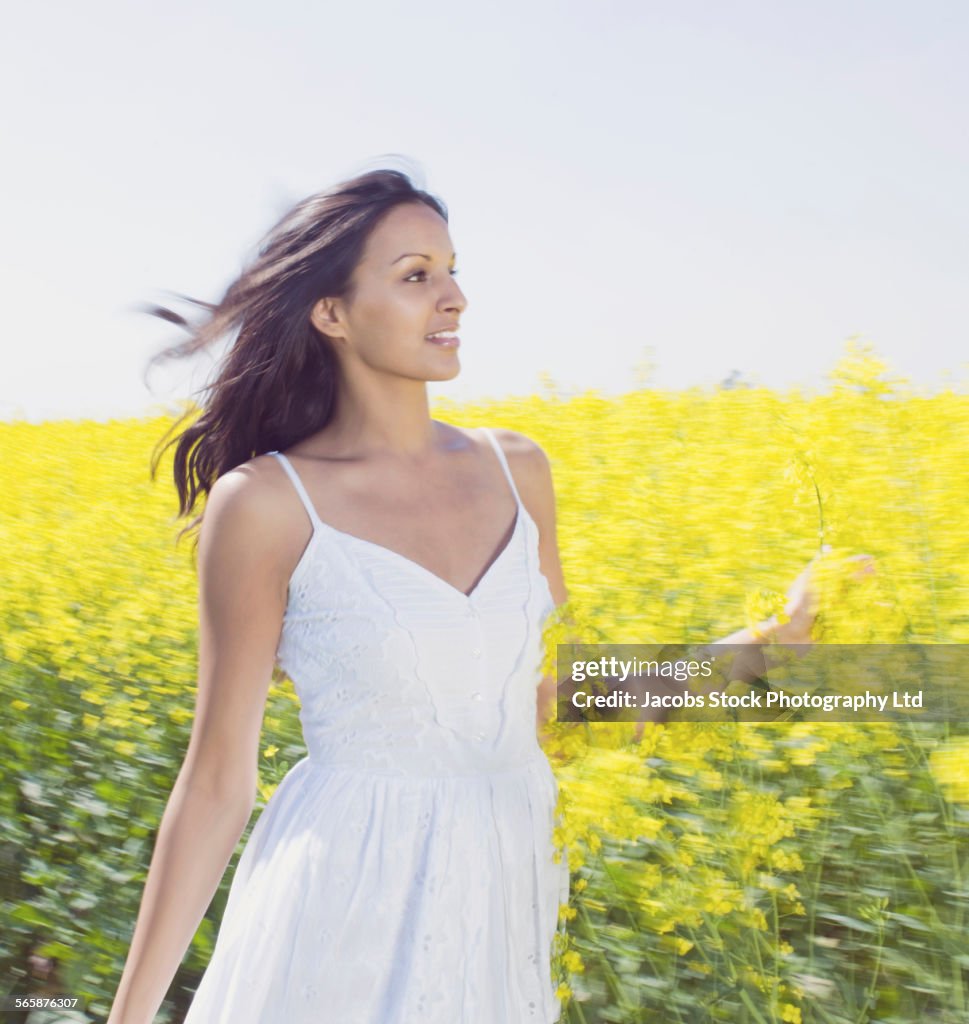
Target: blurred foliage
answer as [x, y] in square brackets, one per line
[742, 872]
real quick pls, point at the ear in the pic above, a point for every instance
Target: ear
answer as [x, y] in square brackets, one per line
[326, 317]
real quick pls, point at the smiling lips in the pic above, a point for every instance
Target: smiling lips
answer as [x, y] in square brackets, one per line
[445, 339]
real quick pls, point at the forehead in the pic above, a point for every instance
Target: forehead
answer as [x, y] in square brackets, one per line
[410, 227]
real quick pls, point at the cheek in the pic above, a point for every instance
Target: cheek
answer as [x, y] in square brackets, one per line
[403, 311]
[389, 306]
[386, 316]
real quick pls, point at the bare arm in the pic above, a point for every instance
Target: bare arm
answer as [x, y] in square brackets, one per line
[543, 492]
[533, 477]
[242, 595]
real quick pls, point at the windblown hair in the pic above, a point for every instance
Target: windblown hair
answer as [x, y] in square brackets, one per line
[278, 380]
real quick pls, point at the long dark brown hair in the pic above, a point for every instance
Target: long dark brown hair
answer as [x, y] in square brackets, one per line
[278, 381]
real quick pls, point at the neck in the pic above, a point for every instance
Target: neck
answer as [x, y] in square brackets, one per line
[389, 416]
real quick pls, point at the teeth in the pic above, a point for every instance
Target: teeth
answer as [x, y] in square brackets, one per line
[444, 334]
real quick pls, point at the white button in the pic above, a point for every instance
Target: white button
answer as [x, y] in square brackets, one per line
[476, 696]
[476, 653]
[479, 735]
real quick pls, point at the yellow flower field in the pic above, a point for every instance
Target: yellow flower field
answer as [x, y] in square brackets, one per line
[742, 872]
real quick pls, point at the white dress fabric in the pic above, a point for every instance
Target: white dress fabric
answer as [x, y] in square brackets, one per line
[402, 872]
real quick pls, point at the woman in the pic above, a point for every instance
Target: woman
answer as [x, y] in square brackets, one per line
[400, 570]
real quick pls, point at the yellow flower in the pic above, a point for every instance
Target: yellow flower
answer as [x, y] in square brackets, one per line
[573, 962]
[949, 765]
[270, 751]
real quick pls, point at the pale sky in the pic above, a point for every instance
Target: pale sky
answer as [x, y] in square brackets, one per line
[712, 186]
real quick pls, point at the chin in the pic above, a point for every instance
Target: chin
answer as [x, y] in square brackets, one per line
[447, 374]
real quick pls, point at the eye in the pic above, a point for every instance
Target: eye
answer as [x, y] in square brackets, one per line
[424, 272]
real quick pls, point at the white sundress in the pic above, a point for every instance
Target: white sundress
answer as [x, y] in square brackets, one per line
[403, 871]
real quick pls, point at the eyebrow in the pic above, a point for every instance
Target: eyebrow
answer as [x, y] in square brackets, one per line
[422, 254]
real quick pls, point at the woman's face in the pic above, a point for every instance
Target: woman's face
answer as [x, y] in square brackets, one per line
[404, 291]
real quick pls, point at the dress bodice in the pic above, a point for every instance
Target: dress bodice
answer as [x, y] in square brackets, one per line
[400, 673]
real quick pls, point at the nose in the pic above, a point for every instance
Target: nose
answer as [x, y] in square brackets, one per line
[454, 297]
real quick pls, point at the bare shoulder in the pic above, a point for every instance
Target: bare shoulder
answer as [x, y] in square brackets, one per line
[531, 470]
[521, 450]
[248, 492]
[245, 518]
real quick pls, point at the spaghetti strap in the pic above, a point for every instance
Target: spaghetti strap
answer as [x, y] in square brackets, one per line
[504, 463]
[298, 484]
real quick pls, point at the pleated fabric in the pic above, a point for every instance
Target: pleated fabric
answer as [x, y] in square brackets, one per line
[403, 872]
